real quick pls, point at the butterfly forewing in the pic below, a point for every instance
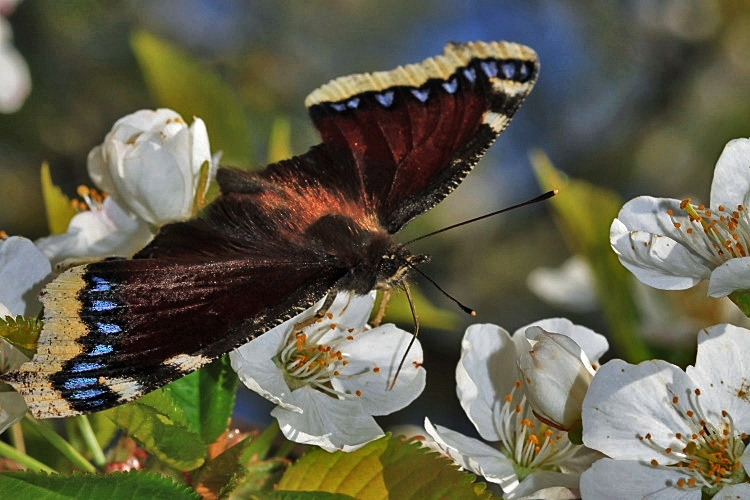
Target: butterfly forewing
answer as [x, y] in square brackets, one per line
[412, 134]
[276, 241]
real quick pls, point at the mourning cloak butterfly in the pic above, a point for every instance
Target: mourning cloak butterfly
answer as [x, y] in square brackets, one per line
[394, 144]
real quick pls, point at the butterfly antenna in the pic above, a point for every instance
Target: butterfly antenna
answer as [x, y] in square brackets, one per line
[413, 338]
[468, 310]
[543, 197]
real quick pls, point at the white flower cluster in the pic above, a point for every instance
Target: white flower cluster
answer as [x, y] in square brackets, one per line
[650, 430]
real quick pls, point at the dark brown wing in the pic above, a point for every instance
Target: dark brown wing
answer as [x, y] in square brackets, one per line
[115, 330]
[400, 141]
[394, 144]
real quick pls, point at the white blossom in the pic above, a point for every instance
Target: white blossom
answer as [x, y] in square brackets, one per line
[331, 377]
[154, 165]
[673, 245]
[671, 433]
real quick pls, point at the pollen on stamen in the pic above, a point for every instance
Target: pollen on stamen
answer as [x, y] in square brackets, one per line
[721, 208]
[670, 212]
[329, 315]
[350, 337]
[376, 369]
[358, 393]
[677, 225]
[654, 462]
[689, 230]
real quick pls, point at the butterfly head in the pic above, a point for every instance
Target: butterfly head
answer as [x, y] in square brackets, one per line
[395, 264]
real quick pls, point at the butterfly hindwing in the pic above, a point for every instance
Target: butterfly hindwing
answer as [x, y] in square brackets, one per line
[115, 330]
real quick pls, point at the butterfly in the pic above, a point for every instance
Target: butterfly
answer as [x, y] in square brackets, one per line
[394, 144]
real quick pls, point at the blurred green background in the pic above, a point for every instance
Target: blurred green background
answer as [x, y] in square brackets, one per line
[638, 97]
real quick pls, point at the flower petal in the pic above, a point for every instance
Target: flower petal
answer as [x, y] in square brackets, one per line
[255, 366]
[475, 456]
[656, 260]
[571, 286]
[15, 79]
[373, 357]
[626, 402]
[609, 478]
[333, 424]
[732, 275]
[592, 343]
[485, 374]
[547, 485]
[731, 182]
[23, 273]
[12, 409]
[722, 371]
[10, 357]
[98, 233]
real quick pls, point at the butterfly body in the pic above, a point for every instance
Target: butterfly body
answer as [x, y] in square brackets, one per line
[278, 240]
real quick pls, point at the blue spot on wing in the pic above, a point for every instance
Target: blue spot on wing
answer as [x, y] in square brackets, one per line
[100, 349]
[103, 305]
[79, 382]
[108, 328]
[88, 394]
[100, 285]
[84, 367]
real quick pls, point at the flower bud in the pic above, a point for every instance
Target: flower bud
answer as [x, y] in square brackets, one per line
[555, 374]
[154, 165]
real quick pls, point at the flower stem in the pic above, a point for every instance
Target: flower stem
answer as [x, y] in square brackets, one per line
[23, 459]
[63, 446]
[97, 455]
[16, 437]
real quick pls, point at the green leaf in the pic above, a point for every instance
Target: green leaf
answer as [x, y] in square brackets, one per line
[242, 468]
[280, 142]
[22, 333]
[583, 213]
[179, 82]
[385, 468]
[741, 299]
[162, 430]
[57, 206]
[135, 484]
[295, 495]
[206, 397]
